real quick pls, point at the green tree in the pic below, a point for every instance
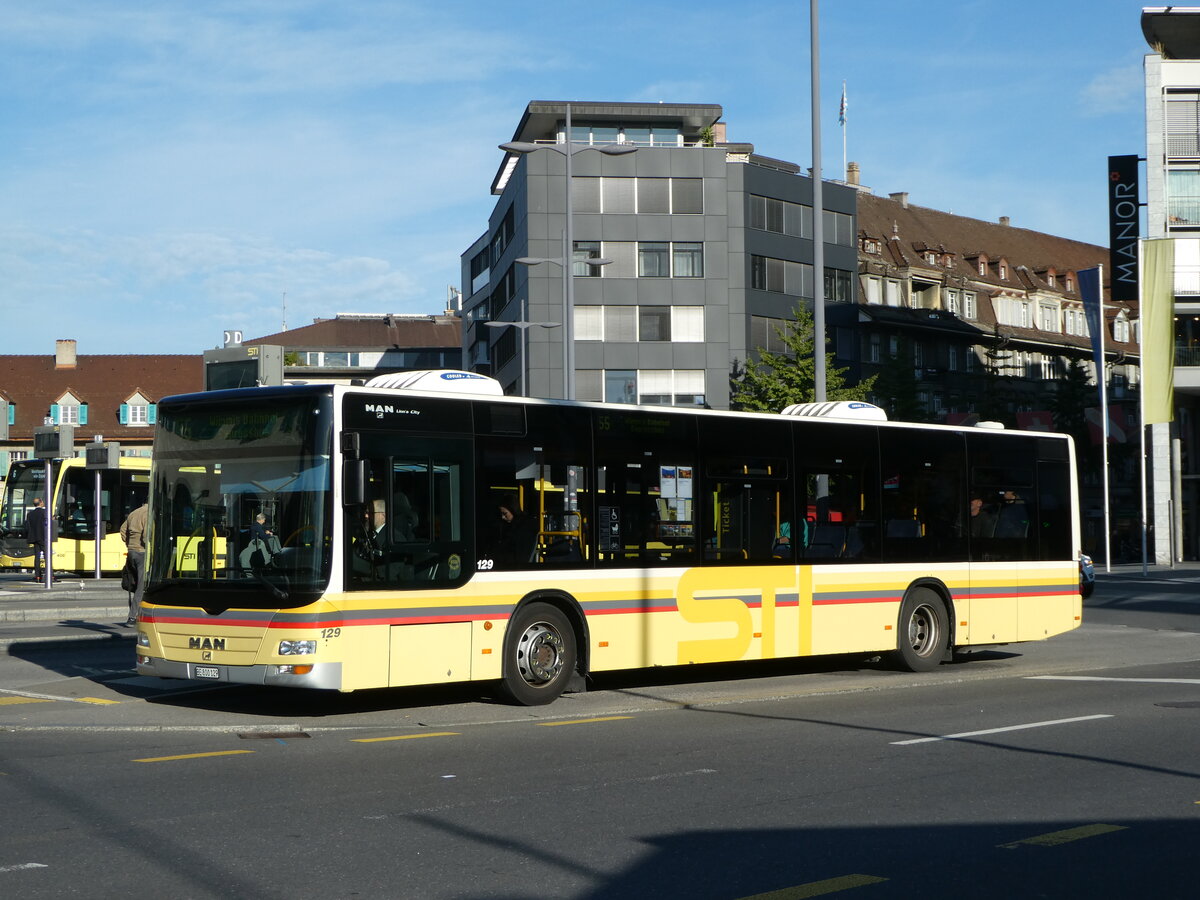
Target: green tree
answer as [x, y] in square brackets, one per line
[777, 380]
[1074, 394]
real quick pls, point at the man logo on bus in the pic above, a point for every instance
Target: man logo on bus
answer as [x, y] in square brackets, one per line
[382, 409]
[197, 643]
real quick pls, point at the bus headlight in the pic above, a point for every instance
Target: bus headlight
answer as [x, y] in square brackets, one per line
[297, 648]
[143, 639]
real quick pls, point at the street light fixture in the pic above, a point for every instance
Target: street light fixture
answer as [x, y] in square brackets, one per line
[522, 327]
[567, 260]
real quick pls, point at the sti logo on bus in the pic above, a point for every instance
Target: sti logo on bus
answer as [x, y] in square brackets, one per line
[386, 409]
[197, 643]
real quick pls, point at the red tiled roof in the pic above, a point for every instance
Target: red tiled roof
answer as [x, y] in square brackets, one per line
[370, 333]
[33, 383]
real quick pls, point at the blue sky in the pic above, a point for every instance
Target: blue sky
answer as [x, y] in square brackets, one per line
[170, 169]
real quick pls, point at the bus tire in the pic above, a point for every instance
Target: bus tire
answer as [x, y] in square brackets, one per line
[923, 632]
[539, 655]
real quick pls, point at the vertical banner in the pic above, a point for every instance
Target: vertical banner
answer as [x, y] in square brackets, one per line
[1123, 227]
[1158, 330]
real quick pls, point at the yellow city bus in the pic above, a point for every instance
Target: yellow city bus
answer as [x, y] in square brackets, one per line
[122, 490]
[361, 537]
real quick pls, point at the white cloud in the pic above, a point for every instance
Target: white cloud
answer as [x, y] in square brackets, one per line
[1116, 91]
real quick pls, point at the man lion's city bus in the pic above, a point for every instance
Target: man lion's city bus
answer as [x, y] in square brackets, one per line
[427, 529]
[122, 490]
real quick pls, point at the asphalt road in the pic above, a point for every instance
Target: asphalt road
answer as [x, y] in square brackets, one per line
[1064, 768]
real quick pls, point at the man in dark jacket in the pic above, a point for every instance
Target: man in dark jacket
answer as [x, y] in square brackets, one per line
[35, 531]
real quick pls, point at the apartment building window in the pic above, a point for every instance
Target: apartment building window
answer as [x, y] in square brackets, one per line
[687, 196]
[892, 292]
[1183, 197]
[620, 386]
[838, 286]
[952, 358]
[781, 217]
[839, 228]
[874, 349]
[654, 323]
[687, 260]
[968, 298]
[654, 259]
[1182, 121]
[765, 334]
[918, 354]
[1049, 369]
[481, 266]
[625, 324]
[952, 302]
[644, 196]
[653, 195]
[1050, 318]
[1121, 330]
[781, 276]
[585, 250]
[874, 288]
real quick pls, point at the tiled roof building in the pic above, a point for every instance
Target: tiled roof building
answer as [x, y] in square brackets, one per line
[975, 300]
[114, 396]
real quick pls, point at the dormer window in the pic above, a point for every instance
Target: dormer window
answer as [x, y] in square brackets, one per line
[1070, 284]
[983, 267]
[69, 411]
[1003, 269]
[137, 411]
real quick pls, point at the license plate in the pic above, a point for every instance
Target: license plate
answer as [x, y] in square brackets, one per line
[206, 672]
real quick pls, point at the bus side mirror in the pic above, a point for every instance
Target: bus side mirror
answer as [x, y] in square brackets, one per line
[354, 482]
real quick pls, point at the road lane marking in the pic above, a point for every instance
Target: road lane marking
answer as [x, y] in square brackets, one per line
[22, 866]
[15, 701]
[1054, 838]
[97, 701]
[33, 697]
[967, 734]
[151, 759]
[1099, 678]
[584, 721]
[404, 737]
[818, 888]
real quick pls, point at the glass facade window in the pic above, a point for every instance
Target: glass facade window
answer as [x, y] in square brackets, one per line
[1183, 197]
[654, 323]
[653, 195]
[618, 195]
[585, 250]
[620, 386]
[687, 196]
[654, 259]
[620, 324]
[687, 260]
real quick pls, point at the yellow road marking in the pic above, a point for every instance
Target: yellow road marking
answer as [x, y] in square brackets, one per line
[13, 701]
[96, 700]
[585, 721]
[1054, 838]
[192, 756]
[817, 888]
[404, 737]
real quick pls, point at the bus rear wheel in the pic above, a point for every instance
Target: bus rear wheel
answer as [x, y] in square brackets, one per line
[923, 632]
[539, 655]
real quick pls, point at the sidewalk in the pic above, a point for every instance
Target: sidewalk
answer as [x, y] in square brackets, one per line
[74, 608]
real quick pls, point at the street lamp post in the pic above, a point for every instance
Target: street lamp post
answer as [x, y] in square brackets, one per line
[522, 327]
[567, 260]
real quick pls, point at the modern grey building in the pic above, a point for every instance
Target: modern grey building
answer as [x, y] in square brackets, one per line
[708, 245]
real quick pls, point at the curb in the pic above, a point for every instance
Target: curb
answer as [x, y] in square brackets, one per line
[58, 613]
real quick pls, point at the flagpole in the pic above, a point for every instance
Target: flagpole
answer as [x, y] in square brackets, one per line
[843, 118]
[1103, 373]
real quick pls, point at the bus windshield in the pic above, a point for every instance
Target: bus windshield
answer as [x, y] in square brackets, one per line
[241, 500]
[26, 480]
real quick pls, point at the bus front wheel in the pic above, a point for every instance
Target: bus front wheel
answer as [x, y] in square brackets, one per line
[539, 655]
[923, 631]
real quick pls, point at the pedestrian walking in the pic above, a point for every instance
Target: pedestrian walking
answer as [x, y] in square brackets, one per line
[35, 531]
[133, 533]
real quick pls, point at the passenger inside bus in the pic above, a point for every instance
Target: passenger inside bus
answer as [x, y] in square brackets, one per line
[516, 536]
